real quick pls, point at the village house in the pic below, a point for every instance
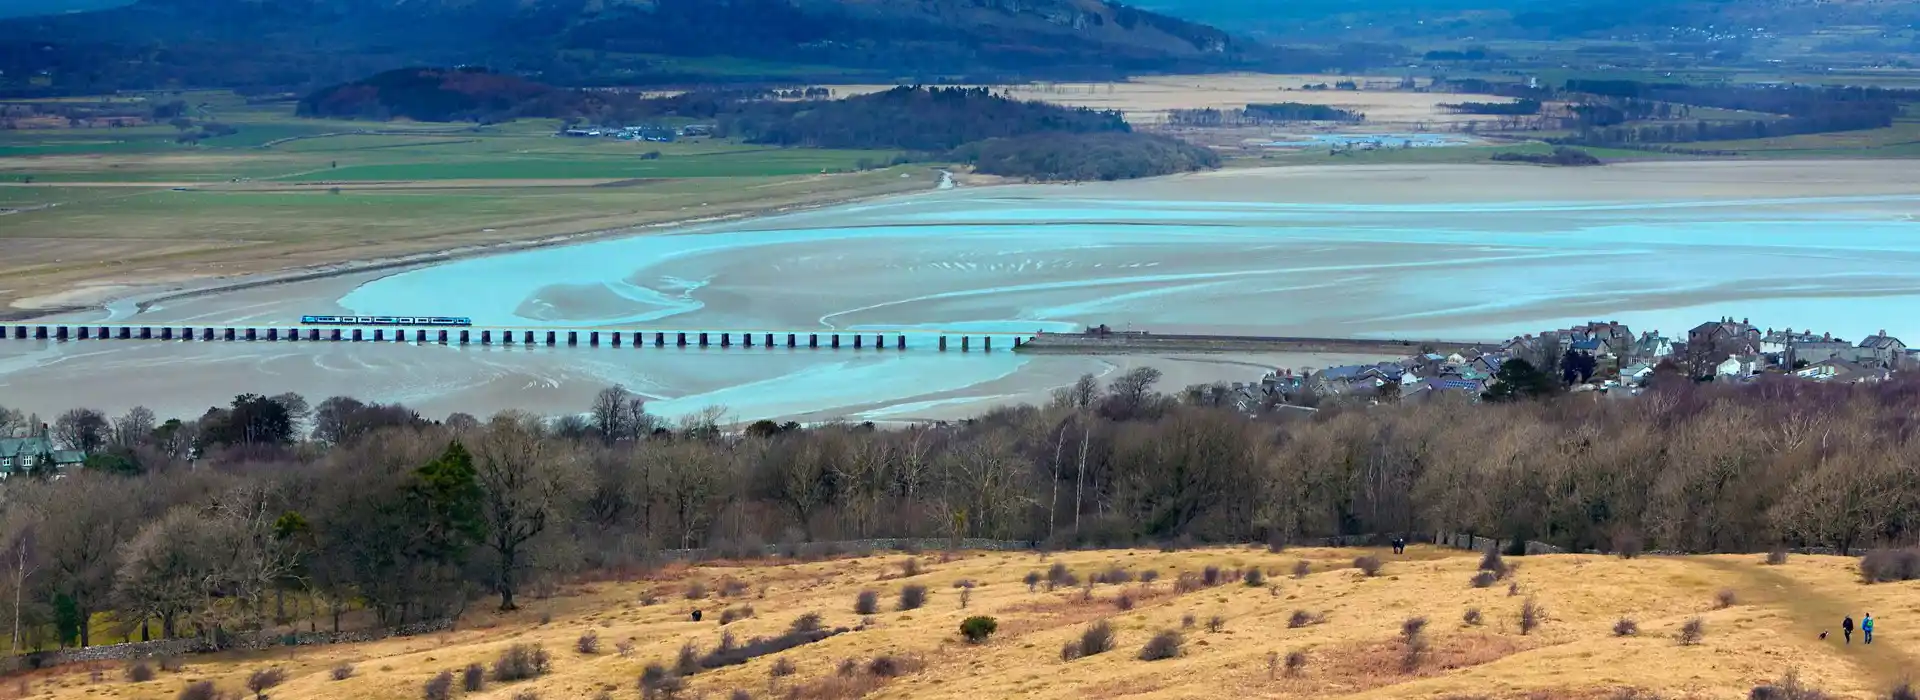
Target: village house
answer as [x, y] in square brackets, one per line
[1881, 349]
[35, 454]
[1739, 366]
[1838, 370]
[1725, 337]
[1651, 347]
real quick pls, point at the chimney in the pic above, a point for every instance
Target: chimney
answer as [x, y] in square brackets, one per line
[1746, 322]
[1883, 332]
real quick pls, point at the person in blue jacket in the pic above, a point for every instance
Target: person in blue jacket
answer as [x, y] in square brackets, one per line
[1866, 627]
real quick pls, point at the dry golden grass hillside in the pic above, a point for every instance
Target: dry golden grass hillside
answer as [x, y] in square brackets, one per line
[1238, 637]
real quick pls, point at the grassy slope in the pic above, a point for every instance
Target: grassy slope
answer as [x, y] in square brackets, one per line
[1356, 653]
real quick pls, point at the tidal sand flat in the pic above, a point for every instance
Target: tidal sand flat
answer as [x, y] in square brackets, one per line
[1442, 252]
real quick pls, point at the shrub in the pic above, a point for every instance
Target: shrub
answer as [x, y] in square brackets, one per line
[1058, 575]
[910, 567]
[342, 672]
[526, 695]
[1149, 576]
[1485, 579]
[1626, 627]
[1123, 601]
[1903, 691]
[474, 679]
[1296, 662]
[1301, 618]
[1216, 623]
[866, 603]
[886, 667]
[589, 643]
[169, 663]
[739, 694]
[1114, 576]
[1472, 617]
[732, 587]
[1693, 631]
[520, 662]
[439, 687]
[782, 668]
[1097, 638]
[1032, 580]
[1302, 568]
[624, 647]
[1494, 563]
[1883, 565]
[1165, 645]
[1530, 616]
[731, 615]
[1513, 588]
[1726, 598]
[1777, 557]
[1255, 578]
[912, 597]
[696, 590]
[809, 622]
[655, 681]
[1369, 565]
[848, 667]
[1070, 651]
[139, 672]
[204, 690]
[1276, 543]
[1413, 653]
[1187, 620]
[688, 662]
[978, 628]
[1412, 627]
[1787, 688]
[1210, 576]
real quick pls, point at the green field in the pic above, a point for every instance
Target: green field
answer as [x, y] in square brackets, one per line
[286, 191]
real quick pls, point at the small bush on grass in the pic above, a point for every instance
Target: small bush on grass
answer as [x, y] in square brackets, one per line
[1485, 579]
[866, 603]
[1884, 565]
[1626, 627]
[1494, 563]
[1302, 568]
[526, 695]
[1777, 557]
[589, 643]
[978, 629]
[1369, 565]
[910, 567]
[912, 597]
[521, 662]
[1114, 575]
[805, 623]
[439, 687]
[169, 663]
[1726, 598]
[265, 679]
[1255, 578]
[1032, 580]
[205, 690]
[1296, 662]
[1216, 623]
[1187, 620]
[1210, 576]
[1693, 631]
[732, 615]
[696, 590]
[1123, 601]
[1531, 616]
[342, 672]
[1097, 638]
[1165, 645]
[887, 667]
[1302, 618]
[1149, 576]
[1472, 617]
[1788, 687]
[688, 662]
[782, 668]
[1412, 627]
[1903, 691]
[474, 679]
[139, 672]
[1059, 575]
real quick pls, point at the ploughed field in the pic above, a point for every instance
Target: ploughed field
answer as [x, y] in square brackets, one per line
[1310, 625]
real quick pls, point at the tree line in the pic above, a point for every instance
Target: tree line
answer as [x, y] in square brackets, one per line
[1086, 157]
[265, 512]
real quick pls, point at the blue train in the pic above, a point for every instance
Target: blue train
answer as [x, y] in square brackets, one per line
[386, 320]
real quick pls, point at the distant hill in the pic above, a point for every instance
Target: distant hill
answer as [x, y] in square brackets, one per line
[581, 42]
[30, 8]
[1371, 20]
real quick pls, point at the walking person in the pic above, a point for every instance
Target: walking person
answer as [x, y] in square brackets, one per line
[1866, 628]
[1846, 628]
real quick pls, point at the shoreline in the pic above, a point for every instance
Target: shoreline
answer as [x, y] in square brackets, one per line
[144, 297]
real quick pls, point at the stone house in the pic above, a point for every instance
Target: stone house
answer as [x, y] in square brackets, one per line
[36, 453]
[1881, 349]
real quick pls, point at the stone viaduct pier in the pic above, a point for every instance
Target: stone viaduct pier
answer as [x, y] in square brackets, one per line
[525, 337]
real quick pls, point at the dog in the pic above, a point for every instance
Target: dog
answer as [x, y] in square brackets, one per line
[1823, 635]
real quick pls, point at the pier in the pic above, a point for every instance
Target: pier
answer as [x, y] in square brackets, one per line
[609, 338]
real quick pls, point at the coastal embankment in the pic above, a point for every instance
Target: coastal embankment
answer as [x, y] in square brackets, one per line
[1156, 344]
